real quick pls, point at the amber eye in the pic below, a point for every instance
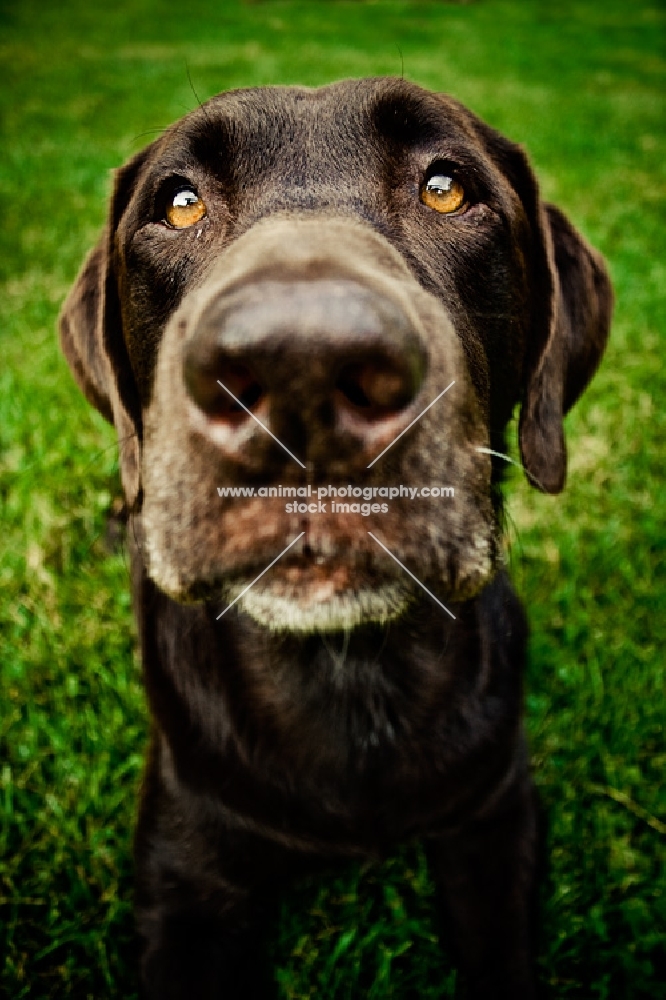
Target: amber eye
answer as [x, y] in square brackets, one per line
[443, 194]
[185, 209]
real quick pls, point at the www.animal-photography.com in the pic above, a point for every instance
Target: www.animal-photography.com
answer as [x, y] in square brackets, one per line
[331, 450]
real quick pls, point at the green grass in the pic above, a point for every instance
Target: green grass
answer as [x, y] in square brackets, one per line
[84, 86]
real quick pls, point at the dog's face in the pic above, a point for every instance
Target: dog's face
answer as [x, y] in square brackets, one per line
[333, 259]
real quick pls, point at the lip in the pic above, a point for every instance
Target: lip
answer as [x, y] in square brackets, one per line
[311, 592]
[315, 574]
[336, 576]
[323, 608]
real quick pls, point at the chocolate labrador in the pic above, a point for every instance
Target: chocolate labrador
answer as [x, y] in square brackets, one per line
[304, 297]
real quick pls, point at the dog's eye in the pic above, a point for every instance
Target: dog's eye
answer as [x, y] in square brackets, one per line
[185, 209]
[443, 194]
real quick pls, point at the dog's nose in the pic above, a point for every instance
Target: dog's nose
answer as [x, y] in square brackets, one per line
[320, 362]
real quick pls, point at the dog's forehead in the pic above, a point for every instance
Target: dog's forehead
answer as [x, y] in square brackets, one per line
[351, 116]
[343, 101]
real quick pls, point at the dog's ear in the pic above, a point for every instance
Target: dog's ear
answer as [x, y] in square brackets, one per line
[571, 306]
[570, 327]
[572, 302]
[91, 337]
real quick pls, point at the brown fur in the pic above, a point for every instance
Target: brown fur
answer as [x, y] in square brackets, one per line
[336, 708]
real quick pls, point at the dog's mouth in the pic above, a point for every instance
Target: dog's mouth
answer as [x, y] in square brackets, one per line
[340, 612]
[320, 579]
[289, 571]
[318, 594]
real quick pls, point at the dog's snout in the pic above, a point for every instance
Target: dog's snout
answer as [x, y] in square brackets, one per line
[333, 357]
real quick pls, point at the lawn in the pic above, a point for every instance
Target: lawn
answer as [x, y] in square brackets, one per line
[580, 84]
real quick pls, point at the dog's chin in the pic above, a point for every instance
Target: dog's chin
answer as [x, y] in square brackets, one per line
[321, 612]
[312, 601]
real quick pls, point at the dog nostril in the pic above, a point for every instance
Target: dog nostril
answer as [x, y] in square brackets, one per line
[376, 387]
[240, 381]
[217, 400]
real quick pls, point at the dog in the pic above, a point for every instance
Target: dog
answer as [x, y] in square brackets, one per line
[337, 292]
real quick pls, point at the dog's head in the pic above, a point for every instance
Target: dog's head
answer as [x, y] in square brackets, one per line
[287, 281]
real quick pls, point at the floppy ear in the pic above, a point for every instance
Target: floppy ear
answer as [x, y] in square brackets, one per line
[573, 302]
[91, 337]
